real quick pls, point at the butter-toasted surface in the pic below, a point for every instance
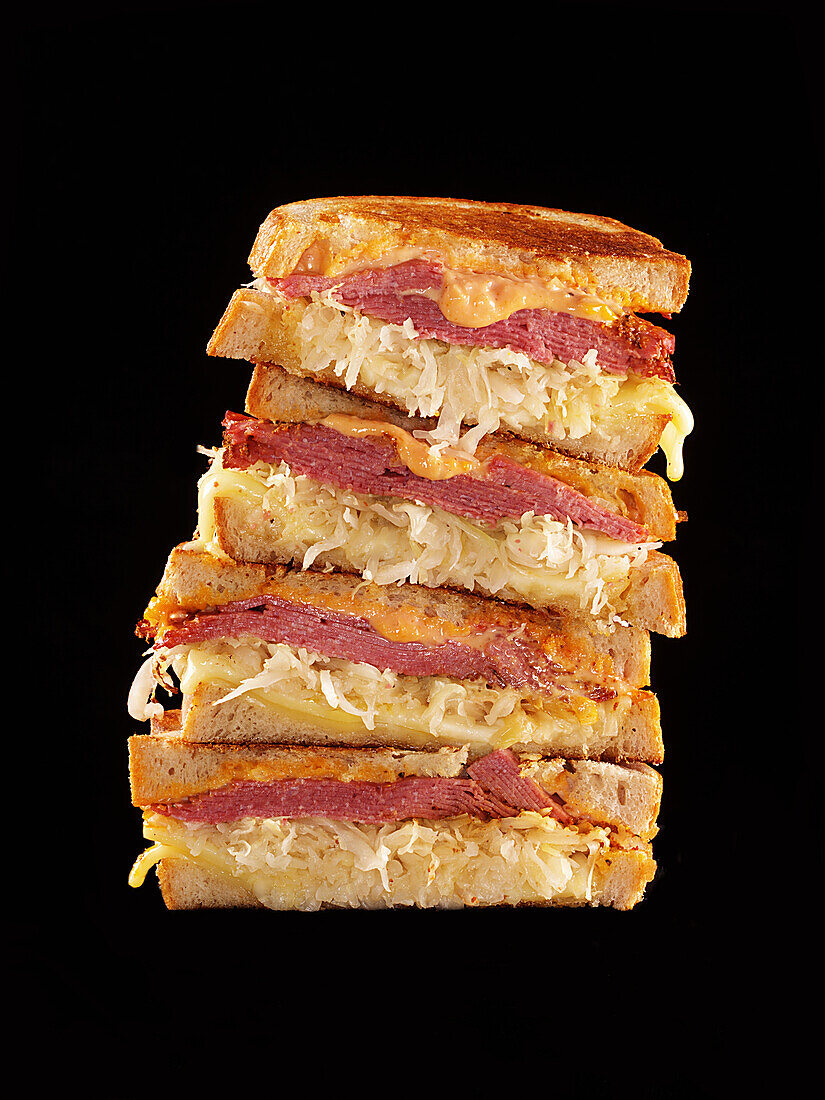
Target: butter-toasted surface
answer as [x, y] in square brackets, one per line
[164, 768]
[593, 253]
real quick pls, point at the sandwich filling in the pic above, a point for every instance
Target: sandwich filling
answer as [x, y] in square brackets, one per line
[538, 559]
[537, 368]
[381, 459]
[260, 641]
[349, 700]
[505, 659]
[494, 311]
[492, 786]
[460, 861]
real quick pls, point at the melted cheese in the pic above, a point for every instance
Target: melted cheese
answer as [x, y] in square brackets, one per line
[653, 395]
[148, 859]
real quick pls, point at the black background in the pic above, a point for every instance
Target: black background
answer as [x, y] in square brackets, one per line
[149, 143]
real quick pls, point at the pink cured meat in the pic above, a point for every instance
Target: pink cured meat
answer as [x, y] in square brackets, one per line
[498, 773]
[371, 465]
[504, 659]
[395, 295]
[494, 790]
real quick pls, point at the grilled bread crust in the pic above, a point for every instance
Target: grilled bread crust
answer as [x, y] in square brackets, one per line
[594, 253]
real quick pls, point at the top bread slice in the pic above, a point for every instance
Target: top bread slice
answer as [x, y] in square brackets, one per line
[597, 254]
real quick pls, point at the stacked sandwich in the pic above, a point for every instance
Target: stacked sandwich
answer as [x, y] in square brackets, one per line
[411, 636]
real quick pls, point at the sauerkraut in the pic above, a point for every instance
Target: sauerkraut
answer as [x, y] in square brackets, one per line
[462, 861]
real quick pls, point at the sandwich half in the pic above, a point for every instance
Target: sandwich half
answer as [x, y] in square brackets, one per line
[271, 654]
[327, 480]
[288, 827]
[480, 316]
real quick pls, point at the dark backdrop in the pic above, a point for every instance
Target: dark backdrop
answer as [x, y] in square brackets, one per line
[149, 143]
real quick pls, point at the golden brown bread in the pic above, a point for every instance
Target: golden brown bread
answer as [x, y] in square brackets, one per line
[593, 253]
[643, 497]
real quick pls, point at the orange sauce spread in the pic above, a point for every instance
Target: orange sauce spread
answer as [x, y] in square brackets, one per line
[474, 301]
[417, 456]
[398, 624]
[314, 260]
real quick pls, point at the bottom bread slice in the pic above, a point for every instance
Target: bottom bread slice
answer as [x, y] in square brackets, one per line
[315, 864]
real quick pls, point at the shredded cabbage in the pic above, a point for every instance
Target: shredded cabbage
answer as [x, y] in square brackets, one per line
[307, 863]
[139, 704]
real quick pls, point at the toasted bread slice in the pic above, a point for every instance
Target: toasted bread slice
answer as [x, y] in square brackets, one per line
[596, 254]
[643, 497]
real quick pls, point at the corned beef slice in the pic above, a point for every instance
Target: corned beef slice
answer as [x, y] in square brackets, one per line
[504, 659]
[371, 465]
[494, 789]
[393, 294]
